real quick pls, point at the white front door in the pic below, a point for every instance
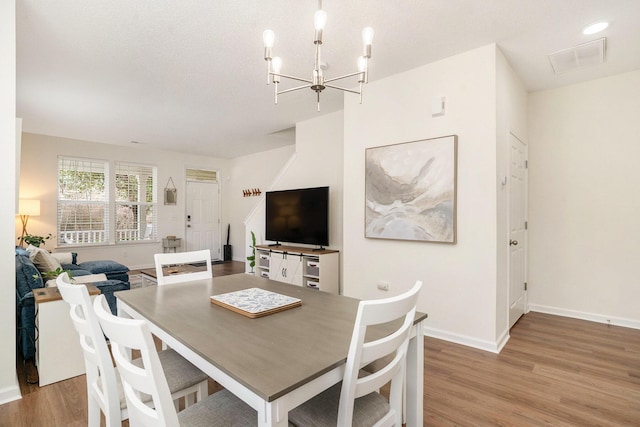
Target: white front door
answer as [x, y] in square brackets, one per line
[203, 217]
[517, 183]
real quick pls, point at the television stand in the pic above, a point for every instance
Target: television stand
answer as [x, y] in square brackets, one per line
[312, 268]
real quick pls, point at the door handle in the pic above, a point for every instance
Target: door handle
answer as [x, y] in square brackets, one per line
[513, 242]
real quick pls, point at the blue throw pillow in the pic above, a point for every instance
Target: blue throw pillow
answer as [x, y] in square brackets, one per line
[27, 275]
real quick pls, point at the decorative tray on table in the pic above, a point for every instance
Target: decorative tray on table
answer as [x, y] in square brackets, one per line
[255, 302]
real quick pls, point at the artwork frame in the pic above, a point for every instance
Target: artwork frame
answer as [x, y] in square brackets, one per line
[411, 190]
[170, 196]
[170, 193]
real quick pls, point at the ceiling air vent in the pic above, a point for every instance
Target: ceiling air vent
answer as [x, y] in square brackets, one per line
[580, 56]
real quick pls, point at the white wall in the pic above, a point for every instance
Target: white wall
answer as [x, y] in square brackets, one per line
[38, 180]
[584, 200]
[256, 170]
[9, 389]
[317, 162]
[459, 292]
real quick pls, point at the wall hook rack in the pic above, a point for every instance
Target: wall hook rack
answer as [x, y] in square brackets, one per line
[251, 192]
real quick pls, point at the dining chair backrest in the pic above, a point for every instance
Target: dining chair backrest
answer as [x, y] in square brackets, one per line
[182, 258]
[126, 335]
[102, 383]
[401, 309]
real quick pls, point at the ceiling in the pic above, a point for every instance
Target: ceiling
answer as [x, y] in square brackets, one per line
[190, 75]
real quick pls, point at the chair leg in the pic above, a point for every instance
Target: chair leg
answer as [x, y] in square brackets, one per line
[93, 412]
[190, 399]
[203, 390]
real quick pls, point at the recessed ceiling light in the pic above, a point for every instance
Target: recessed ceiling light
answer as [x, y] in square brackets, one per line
[594, 28]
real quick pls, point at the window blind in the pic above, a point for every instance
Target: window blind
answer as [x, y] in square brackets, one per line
[83, 205]
[202, 175]
[135, 202]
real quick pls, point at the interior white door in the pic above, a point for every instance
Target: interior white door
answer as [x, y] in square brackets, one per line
[203, 217]
[517, 184]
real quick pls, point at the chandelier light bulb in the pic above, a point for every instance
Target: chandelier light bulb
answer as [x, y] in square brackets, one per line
[320, 19]
[268, 38]
[367, 36]
[276, 64]
[362, 64]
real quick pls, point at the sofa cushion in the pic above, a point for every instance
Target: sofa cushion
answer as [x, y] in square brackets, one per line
[27, 276]
[104, 266]
[65, 257]
[43, 260]
[108, 287]
[75, 270]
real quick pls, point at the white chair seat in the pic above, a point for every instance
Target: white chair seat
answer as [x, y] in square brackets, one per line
[322, 410]
[180, 374]
[220, 409]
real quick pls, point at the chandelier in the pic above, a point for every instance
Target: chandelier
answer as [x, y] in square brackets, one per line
[317, 83]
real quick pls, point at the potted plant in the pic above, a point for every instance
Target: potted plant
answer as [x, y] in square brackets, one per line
[34, 240]
[48, 275]
[252, 258]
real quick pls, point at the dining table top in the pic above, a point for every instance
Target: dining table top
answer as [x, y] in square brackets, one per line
[270, 355]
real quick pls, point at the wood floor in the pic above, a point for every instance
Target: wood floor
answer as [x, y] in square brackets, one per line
[554, 371]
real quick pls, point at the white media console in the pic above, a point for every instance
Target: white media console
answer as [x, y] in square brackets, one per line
[317, 269]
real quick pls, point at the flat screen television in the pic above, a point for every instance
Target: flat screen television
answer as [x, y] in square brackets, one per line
[298, 216]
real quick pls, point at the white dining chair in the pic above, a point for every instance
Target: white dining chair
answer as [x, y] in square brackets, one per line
[219, 409]
[104, 389]
[182, 258]
[356, 401]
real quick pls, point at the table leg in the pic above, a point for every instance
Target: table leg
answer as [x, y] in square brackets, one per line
[274, 414]
[415, 378]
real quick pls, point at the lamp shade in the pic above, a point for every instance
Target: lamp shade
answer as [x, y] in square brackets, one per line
[29, 207]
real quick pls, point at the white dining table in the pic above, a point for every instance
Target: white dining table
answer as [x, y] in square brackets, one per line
[276, 362]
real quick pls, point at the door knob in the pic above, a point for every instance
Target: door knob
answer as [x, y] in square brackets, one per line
[188, 225]
[513, 242]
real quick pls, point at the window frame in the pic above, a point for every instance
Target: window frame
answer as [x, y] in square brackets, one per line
[79, 236]
[109, 234]
[153, 204]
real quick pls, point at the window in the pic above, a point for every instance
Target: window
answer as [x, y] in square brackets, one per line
[202, 175]
[83, 205]
[89, 213]
[136, 213]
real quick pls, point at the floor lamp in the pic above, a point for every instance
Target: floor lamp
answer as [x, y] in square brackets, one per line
[27, 208]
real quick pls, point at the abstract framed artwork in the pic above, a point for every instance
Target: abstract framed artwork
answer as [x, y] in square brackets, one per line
[410, 190]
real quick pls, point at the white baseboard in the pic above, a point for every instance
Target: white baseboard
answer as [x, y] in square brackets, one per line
[10, 394]
[493, 347]
[593, 317]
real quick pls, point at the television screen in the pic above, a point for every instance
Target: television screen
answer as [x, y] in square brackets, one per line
[298, 216]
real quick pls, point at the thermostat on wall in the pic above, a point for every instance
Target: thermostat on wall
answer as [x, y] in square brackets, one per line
[437, 106]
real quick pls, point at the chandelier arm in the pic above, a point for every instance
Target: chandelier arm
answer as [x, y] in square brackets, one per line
[343, 89]
[292, 77]
[343, 77]
[294, 88]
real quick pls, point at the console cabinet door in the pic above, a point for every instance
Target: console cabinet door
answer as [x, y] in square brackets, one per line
[286, 268]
